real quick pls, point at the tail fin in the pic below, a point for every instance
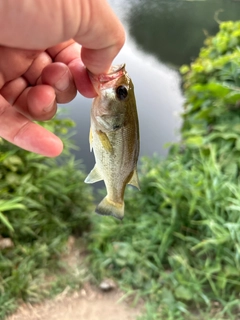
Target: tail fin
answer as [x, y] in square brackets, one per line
[109, 208]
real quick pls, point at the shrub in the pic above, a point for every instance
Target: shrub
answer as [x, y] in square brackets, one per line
[211, 86]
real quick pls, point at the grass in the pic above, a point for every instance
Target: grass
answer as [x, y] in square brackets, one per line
[43, 202]
[178, 246]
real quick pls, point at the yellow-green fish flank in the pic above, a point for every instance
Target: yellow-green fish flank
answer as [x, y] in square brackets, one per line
[114, 138]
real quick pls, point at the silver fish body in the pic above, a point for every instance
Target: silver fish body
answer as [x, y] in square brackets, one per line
[114, 138]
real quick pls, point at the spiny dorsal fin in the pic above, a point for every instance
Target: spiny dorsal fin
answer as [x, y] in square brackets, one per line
[94, 176]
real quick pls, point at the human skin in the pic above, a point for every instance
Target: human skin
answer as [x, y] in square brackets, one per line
[46, 48]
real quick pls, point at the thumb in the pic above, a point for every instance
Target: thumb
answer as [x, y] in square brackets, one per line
[45, 23]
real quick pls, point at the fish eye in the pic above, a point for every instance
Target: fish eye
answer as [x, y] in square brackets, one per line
[121, 92]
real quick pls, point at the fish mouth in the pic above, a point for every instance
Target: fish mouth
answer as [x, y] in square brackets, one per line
[117, 68]
[115, 72]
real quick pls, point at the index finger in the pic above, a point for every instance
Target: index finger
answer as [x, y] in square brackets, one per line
[17, 129]
[69, 53]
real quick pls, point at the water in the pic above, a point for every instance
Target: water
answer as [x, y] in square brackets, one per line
[161, 36]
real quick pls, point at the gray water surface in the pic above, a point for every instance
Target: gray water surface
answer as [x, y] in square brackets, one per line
[161, 36]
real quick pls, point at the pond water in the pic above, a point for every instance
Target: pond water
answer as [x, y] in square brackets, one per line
[161, 36]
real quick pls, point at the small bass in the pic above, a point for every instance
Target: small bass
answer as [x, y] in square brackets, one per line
[114, 138]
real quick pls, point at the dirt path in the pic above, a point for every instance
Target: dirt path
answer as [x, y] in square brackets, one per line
[89, 303]
[84, 305]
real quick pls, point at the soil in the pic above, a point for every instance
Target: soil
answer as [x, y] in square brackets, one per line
[89, 303]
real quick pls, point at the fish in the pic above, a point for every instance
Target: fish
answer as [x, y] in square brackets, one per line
[114, 138]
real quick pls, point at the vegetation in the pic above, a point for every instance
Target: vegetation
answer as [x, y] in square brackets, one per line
[179, 244]
[42, 202]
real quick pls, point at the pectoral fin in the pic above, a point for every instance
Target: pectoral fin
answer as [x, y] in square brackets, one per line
[105, 141]
[94, 176]
[134, 180]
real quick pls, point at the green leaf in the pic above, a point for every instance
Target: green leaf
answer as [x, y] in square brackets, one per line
[184, 293]
[6, 205]
[217, 89]
[196, 141]
[231, 271]
[13, 162]
[232, 97]
[231, 169]
[184, 69]
[222, 280]
[5, 221]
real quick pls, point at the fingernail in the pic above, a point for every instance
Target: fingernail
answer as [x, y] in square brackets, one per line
[63, 83]
[49, 107]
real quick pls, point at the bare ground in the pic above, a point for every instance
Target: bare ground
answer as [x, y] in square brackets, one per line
[80, 305]
[89, 303]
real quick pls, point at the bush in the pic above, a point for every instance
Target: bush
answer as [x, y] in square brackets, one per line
[179, 244]
[42, 202]
[211, 86]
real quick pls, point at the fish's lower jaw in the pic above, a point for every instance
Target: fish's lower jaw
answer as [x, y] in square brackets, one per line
[110, 208]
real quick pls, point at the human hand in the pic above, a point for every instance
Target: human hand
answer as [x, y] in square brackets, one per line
[55, 41]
